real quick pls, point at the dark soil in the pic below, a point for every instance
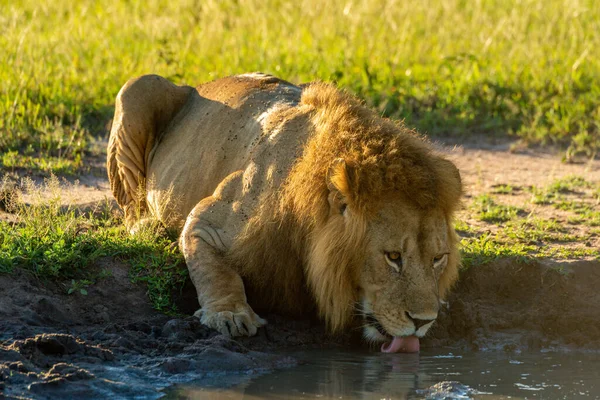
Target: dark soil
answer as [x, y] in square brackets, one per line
[111, 343]
[516, 306]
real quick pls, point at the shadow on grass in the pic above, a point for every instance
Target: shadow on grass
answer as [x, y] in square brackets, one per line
[540, 114]
[489, 109]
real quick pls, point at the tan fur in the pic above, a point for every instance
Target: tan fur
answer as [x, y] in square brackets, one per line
[313, 186]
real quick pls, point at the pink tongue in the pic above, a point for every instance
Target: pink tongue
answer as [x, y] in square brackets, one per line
[408, 344]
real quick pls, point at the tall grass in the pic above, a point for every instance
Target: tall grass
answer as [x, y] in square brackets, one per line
[529, 68]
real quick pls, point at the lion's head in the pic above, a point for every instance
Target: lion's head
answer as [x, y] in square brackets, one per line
[382, 243]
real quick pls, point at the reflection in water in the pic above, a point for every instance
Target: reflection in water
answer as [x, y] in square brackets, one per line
[358, 375]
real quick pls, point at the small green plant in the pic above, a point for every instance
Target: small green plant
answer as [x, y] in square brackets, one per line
[558, 189]
[48, 164]
[462, 227]
[536, 230]
[533, 235]
[486, 248]
[567, 184]
[503, 189]
[489, 211]
[541, 196]
[79, 286]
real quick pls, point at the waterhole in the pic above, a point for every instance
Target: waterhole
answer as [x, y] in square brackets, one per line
[428, 375]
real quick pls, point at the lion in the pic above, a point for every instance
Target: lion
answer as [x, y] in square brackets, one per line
[292, 199]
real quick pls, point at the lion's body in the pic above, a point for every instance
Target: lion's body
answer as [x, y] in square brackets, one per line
[290, 188]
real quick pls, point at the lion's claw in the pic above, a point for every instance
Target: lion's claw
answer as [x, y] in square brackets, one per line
[242, 323]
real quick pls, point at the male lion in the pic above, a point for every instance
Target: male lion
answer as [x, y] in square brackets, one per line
[298, 197]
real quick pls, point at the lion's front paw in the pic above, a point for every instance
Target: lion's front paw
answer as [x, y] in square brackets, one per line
[244, 322]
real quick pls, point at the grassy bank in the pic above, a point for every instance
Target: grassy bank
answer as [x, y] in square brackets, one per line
[55, 241]
[449, 67]
[63, 243]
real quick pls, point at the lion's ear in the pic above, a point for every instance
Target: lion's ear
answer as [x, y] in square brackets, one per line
[341, 181]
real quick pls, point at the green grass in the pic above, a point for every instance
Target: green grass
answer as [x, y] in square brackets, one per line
[555, 191]
[525, 236]
[524, 240]
[485, 248]
[59, 165]
[573, 194]
[449, 67]
[503, 189]
[60, 243]
[488, 210]
[568, 184]
[584, 213]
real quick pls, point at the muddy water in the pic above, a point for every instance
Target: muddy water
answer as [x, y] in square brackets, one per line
[431, 375]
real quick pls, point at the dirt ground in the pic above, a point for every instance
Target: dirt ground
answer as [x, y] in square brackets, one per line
[111, 343]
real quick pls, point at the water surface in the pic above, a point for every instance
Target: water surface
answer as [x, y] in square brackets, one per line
[360, 375]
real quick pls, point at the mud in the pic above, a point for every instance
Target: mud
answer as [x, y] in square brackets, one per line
[514, 306]
[111, 343]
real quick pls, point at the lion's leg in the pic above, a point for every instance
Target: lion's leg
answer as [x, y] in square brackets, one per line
[205, 240]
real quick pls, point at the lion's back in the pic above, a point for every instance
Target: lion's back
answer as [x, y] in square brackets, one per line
[224, 127]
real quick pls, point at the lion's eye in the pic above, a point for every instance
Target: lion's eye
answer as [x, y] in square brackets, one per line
[394, 260]
[438, 259]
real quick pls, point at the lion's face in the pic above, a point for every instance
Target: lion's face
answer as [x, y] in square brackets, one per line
[392, 258]
[407, 252]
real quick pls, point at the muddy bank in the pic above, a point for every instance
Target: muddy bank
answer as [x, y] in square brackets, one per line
[111, 343]
[511, 306]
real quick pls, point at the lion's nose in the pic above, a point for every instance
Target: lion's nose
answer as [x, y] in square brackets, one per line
[418, 322]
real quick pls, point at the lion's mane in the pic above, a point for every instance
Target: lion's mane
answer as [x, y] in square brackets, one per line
[292, 235]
